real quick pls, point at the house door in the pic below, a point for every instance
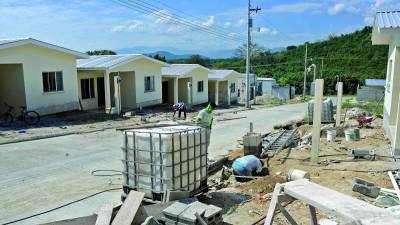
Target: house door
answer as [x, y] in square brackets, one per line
[100, 92]
[165, 92]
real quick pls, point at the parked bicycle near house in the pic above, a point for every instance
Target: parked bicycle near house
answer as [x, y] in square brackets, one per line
[29, 117]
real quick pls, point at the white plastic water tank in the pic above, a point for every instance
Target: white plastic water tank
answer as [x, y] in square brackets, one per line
[157, 159]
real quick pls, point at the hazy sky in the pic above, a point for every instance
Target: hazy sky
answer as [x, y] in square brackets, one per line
[104, 24]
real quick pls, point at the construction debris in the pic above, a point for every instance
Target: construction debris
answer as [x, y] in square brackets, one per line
[366, 188]
[192, 214]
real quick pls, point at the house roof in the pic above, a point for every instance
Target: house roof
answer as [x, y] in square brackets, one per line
[243, 75]
[103, 62]
[180, 69]
[10, 43]
[220, 74]
[375, 82]
[265, 79]
[388, 19]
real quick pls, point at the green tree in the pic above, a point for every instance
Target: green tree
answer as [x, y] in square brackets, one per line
[159, 57]
[101, 52]
[255, 50]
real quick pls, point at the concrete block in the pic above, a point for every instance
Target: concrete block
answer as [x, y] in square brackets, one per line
[175, 210]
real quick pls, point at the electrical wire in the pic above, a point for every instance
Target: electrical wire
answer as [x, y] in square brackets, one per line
[153, 11]
[194, 17]
[61, 206]
[221, 30]
[94, 173]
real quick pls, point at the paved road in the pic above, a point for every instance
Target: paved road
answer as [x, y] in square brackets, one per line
[39, 175]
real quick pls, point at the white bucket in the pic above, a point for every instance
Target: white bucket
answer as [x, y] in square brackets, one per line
[295, 174]
[350, 135]
[331, 135]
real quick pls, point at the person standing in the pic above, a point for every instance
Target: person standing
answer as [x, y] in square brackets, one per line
[205, 119]
[180, 107]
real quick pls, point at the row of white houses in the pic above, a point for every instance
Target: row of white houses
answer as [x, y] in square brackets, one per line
[51, 79]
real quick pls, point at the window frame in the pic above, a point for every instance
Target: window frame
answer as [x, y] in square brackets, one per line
[233, 87]
[152, 87]
[47, 83]
[200, 86]
[91, 88]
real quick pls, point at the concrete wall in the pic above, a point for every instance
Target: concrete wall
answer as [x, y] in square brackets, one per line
[282, 92]
[36, 60]
[183, 95]
[393, 88]
[265, 87]
[143, 68]
[222, 92]
[91, 103]
[370, 94]
[12, 90]
[211, 91]
[199, 75]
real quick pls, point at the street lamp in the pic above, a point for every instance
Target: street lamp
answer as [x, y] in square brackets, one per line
[309, 70]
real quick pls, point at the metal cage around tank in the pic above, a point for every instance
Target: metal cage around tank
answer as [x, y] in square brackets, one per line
[158, 159]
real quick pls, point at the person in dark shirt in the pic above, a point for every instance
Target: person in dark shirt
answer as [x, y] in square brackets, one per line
[180, 107]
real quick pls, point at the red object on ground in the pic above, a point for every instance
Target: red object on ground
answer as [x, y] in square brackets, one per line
[365, 119]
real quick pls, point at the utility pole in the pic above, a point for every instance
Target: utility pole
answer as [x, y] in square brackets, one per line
[305, 74]
[322, 67]
[249, 27]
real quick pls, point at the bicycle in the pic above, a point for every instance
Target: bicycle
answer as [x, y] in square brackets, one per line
[29, 117]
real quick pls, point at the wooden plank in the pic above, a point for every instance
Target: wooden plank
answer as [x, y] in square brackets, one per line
[331, 202]
[286, 214]
[129, 209]
[395, 185]
[313, 215]
[272, 206]
[105, 214]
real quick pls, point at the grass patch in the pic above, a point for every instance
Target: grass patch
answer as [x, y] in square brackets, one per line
[372, 107]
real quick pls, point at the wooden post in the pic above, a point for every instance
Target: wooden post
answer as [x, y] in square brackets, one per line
[176, 92]
[316, 133]
[339, 103]
[216, 93]
[396, 136]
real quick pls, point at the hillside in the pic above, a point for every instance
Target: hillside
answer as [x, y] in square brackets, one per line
[351, 56]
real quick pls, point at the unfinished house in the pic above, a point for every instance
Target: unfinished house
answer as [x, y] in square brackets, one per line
[223, 86]
[137, 76]
[186, 83]
[386, 31]
[38, 75]
[242, 87]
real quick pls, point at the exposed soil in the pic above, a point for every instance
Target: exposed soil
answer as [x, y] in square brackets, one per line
[333, 158]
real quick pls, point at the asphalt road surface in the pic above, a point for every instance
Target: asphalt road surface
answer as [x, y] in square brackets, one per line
[39, 175]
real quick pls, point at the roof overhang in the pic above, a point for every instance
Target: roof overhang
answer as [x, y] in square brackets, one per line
[27, 41]
[128, 60]
[187, 73]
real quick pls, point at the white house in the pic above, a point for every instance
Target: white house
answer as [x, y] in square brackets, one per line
[386, 31]
[222, 86]
[265, 85]
[140, 84]
[242, 87]
[38, 75]
[185, 83]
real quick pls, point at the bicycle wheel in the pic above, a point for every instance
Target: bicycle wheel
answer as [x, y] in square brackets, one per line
[6, 119]
[31, 117]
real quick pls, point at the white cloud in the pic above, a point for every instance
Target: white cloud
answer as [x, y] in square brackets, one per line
[241, 22]
[268, 31]
[117, 28]
[294, 8]
[341, 7]
[209, 22]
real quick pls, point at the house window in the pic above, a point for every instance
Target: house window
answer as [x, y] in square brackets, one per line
[233, 87]
[149, 84]
[200, 86]
[389, 75]
[52, 81]
[87, 88]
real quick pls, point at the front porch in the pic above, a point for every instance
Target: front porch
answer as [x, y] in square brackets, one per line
[12, 87]
[219, 92]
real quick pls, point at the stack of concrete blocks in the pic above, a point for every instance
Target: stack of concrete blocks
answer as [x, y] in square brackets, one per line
[185, 214]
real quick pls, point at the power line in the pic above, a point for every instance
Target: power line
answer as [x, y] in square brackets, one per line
[152, 11]
[157, 9]
[195, 17]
